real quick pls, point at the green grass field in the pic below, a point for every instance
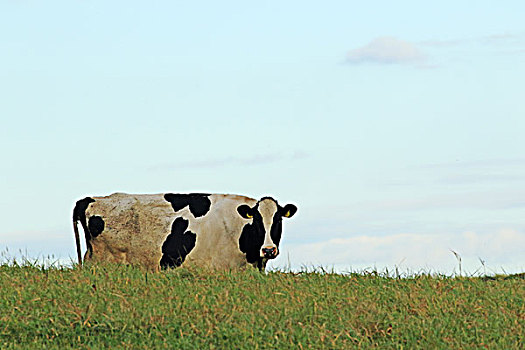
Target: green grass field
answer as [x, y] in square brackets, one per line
[125, 307]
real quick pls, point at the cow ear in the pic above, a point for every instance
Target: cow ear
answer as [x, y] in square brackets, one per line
[245, 211]
[289, 210]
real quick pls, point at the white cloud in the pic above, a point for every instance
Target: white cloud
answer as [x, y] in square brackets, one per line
[391, 50]
[386, 50]
[494, 39]
[443, 43]
[502, 38]
[492, 200]
[501, 250]
[484, 163]
[502, 43]
[257, 159]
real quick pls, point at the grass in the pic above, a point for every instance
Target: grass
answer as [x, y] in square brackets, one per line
[126, 307]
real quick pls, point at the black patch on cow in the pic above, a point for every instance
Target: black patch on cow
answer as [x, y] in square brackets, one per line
[252, 239]
[79, 214]
[178, 244]
[96, 225]
[277, 228]
[199, 203]
[277, 224]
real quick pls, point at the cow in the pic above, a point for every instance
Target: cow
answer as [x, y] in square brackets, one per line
[160, 231]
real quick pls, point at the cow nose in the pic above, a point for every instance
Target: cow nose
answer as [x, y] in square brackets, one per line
[269, 252]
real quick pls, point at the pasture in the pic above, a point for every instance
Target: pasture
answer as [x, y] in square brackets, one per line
[127, 307]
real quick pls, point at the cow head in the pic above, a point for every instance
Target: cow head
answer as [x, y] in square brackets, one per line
[260, 238]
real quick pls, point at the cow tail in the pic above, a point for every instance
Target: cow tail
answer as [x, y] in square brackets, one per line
[79, 214]
[77, 240]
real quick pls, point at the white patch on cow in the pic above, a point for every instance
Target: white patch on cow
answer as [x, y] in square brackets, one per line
[267, 209]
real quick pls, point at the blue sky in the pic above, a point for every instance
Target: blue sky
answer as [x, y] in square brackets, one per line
[397, 128]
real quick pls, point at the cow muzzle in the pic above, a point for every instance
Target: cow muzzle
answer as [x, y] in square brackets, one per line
[269, 252]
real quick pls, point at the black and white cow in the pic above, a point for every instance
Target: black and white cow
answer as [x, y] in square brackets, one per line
[166, 230]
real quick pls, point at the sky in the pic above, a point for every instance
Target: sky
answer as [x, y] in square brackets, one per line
[397, 128]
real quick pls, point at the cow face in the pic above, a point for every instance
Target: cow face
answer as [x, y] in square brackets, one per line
[260, 238]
